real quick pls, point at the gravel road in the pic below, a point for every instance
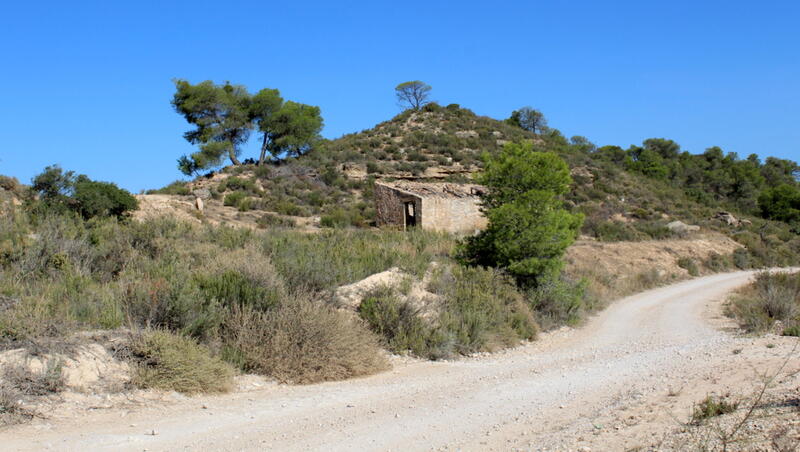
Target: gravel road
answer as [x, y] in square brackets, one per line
[541, 396]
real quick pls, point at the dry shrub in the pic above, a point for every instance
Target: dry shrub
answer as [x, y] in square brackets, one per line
[27, 382]
[771, 297]
[11, 411]
[303, 342]
[165, 360]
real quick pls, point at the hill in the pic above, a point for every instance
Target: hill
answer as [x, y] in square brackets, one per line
[625, 195]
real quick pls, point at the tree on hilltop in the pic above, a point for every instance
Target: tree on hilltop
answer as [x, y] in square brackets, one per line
[529, 119]
[414, 94]
[225, 115]
[220, 114]
[289, 128]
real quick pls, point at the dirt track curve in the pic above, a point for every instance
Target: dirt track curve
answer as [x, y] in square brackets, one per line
[541, 396]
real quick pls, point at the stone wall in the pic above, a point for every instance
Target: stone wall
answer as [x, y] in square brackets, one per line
[457, 215]
[389, 205]
[436, 212]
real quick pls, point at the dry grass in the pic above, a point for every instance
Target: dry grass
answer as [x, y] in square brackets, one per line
[168, 361]
[302, 342]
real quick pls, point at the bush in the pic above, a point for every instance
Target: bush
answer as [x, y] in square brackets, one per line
[101, 199]
[302, 342]
[401, 326]
[482, 310]
[272, 220]
[717, 262]
[175, 188]
[558, 301]
[771, 297]
[26, 382]
[171, 362]
[234, 199]
[688, 264]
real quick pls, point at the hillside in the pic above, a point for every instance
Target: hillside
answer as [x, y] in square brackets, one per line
[331, 186]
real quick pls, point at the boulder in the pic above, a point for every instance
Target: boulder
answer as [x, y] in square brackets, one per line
[467, 134]
[682, 228]
[202, 193]
[728, 218]
[198, 203]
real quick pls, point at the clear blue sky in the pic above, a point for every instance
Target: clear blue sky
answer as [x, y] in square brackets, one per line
[87, 85]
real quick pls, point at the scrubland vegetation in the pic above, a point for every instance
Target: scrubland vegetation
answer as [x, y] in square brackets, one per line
[204, 302]
[772, 298]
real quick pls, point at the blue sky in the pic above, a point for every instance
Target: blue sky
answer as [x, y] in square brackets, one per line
[87, 85]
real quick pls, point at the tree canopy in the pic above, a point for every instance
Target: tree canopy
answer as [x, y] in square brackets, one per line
[225, 115]
[414, 94]
[529, 119]
[529, 228]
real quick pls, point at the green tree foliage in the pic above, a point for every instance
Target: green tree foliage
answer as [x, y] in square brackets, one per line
[53, 185]
[781, 203]
[225, 115]
[414, 94]
[529, 228]
[713, 178]
[291, 131]
[221, 116]
[529, 119]
[62, 190]
[102, 199]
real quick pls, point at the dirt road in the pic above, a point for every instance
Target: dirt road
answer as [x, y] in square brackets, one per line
[558, 393]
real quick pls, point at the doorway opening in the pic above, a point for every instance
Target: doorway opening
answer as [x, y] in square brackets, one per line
[410, 214]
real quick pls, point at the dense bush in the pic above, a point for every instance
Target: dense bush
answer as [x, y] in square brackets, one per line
[302, 342]
[164, 360]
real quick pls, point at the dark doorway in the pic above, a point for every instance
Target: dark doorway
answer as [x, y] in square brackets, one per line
[411, 214]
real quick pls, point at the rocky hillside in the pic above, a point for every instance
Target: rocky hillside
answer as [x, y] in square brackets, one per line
[331, 186]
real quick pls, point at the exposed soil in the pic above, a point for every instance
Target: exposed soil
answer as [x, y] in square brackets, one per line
[625, 380]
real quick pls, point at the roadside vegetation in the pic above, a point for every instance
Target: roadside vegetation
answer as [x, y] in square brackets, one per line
[772, 298]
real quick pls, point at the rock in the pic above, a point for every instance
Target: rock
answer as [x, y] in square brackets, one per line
[728, 218]
[497, 133]
[202, 193]
[198, 203]
[350, 296]
[467, 134]
[681, 227]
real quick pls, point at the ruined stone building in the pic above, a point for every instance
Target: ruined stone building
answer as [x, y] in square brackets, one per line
[434, 206]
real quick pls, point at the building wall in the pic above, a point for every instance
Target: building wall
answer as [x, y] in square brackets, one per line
[457, 215]
[389, 205]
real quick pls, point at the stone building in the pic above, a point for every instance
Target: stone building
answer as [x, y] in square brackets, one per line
[434, 206]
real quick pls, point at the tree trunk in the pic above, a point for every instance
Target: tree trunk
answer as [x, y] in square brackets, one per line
[263, 155]
[232, 155]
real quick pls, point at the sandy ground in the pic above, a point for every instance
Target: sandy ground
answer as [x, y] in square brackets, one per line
[621, 382]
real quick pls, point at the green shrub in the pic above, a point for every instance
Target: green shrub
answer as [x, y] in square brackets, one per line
[272, 220]
[688, 264]
[558, 301]
[234, 199]
[712, 406]
[793, 330]
[302, 342]
[717, 262]
[175, 188]
[168, 361]
[234, 183]
[100, 199]
[401, 326]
